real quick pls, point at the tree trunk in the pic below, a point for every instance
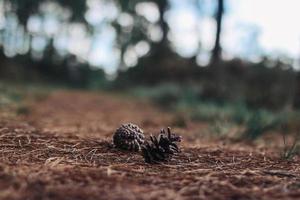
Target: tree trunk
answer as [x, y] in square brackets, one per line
[161, 48]
[162, 6]
[216, 52]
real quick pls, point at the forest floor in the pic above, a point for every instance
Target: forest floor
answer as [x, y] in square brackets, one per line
[59, 148]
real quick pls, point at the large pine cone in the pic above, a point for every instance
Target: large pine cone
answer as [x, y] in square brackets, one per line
[161, 148]
[129, 137]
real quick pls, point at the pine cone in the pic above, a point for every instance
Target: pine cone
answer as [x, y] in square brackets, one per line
[161, 149]
[129, 137]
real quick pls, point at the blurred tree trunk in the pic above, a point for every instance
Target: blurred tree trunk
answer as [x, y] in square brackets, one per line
[219, 73]
[161, 48]
[162, 6]
[293, 91]
[216, 52]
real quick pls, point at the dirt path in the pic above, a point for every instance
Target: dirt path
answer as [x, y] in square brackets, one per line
[61, 150]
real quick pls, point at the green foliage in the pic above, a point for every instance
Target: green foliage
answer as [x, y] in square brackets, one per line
[179, 121]
[169, 95]
[10, 95]
[210, 111]
[14, 94]
[220, 127]
[221, 116]
[241, 114]
[23, 110]
[260, 122]
[96, 79]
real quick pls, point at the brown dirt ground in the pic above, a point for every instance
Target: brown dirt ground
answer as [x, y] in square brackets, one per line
[61, 150]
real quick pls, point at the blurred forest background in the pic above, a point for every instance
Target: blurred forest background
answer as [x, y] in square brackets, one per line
[150, 50]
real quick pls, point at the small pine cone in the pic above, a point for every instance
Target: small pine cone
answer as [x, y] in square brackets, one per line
[161, 149]
[129, 137]
[153, 154]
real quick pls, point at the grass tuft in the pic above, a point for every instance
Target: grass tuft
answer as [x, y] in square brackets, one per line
[290, 149]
